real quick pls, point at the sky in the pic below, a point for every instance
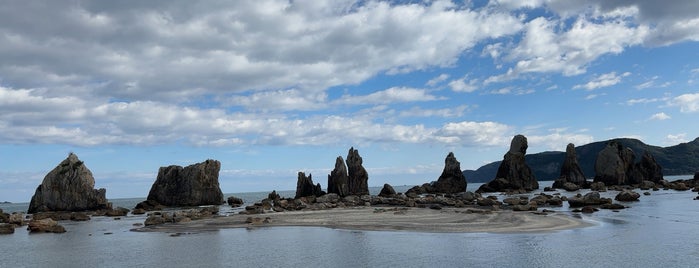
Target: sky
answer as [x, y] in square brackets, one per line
[273, 87]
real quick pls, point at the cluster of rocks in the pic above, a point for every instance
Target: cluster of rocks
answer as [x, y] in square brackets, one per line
[514, 175]
[8, 222]
[343, 180]
[161, 217]
[615, 165]
[451, 180]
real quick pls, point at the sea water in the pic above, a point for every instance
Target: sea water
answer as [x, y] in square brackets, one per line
[660, 230]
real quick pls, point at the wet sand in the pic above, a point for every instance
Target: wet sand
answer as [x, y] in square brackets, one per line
[447, 220]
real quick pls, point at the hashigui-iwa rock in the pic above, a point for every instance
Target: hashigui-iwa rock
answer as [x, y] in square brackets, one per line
[571, 172]
[513, 174]
[452, 179]
[358, 178]
[68, 187]
[305, 186]
[194, 185]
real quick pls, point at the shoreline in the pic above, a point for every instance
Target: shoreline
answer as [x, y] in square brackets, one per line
[447, 220]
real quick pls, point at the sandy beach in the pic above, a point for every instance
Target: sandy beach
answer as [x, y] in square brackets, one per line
[455, 220]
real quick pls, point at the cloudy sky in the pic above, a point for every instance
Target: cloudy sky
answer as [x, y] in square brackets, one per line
[271, 87]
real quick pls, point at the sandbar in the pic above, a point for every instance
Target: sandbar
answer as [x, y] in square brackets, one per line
[446, 220]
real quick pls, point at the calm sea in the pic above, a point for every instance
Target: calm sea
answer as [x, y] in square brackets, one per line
[661, 230]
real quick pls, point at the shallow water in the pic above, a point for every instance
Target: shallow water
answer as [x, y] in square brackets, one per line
[660, 230]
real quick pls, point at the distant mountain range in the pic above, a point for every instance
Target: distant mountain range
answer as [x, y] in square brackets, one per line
[681, 159]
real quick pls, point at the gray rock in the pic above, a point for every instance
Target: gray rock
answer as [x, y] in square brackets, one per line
[338, 179]
[68, 187]
[646, 170]
[571, 187]
[194, 185]
[513, 174]
[590, 199]
[358, 178]
[387, 190]
[45, 226]
[452, 179]
[305, 186]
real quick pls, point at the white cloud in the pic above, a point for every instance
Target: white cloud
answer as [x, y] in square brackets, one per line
[659, 116]
[604, 80]
[391, 95]
[291, 99]
[688, 103]
[632, 102]
[461, 85]
[437, 80]
[674, 139]
[445, 112]
[558, 140]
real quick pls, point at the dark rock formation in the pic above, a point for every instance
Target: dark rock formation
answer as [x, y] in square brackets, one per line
[615, 165]
[513, 174]
[646, 170]
[194, 185]
[338, 179]
[149, 205]
[68, 187]
[358, 178]
[305, 186]
[387, 190]
[452, 179]
[570, 170]
[696, 176]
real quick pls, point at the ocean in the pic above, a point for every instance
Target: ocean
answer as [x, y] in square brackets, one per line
[661, 230]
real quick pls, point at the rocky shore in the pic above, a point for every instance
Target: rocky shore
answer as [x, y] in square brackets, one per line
[189, 197]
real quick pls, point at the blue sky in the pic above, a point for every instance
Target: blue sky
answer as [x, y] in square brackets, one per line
[271, 88]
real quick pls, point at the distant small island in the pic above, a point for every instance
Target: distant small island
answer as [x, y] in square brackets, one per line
[6, 202]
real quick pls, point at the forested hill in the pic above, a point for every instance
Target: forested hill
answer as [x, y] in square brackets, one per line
[679, 159]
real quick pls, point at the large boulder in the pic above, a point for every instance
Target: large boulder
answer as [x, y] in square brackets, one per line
[627, 195]
[387, 190]
[592, 198]
[68, 187]
[194, 185]
[571, 170]
[358, 178]
[6, 228]
[452, 179]
[513, 174]
[305, 186]
[338, 179]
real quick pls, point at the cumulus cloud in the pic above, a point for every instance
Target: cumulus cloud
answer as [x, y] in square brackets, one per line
[437, 80]
[604, 80]
[175, 49]
[461, 85]
[391, 95]
[445, 112]
[674, 139]
[688, 103]
[659, 116]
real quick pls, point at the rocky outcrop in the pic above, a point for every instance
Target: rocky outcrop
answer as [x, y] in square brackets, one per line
[387, 190]
[513, 174]
[452, 179]
[615, 165]
[338, 179]
[194, 185]
[305, 186]
[571, 172]
[6, 228]
[358, 178]
[68, 187]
